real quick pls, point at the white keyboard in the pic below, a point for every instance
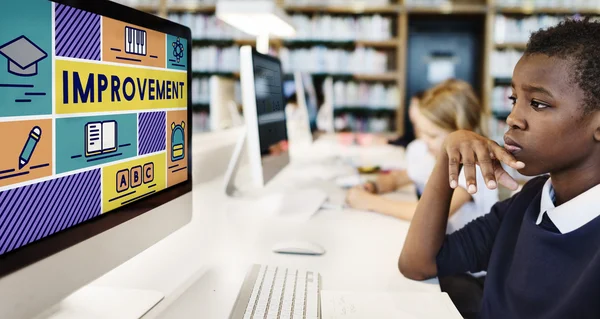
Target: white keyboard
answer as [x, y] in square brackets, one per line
[276, 292]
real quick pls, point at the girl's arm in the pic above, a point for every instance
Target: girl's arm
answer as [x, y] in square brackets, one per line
[405, 210]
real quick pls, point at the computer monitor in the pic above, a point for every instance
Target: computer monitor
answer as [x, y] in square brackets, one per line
[264, 114]
[325, 116]
[266, 137]
[95, 123]
[224, 112]
[301, 114]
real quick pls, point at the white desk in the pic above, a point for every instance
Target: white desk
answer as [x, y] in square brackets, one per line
[201, 267]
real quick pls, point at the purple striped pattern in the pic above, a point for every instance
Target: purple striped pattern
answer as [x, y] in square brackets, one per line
[35, 211]
[152, 136]
[77, 33]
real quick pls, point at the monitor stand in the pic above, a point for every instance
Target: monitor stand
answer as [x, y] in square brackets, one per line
[234, 165]
[298, 204]
[104, 302]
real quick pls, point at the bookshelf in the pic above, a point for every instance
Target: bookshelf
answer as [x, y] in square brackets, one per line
[400, 12]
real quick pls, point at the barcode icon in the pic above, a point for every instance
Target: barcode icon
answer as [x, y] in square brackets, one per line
[136, 41]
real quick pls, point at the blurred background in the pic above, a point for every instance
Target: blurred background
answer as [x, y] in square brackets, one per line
[376, 54]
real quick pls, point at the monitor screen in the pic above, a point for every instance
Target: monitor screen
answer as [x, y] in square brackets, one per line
[270, 105]
[93, 115]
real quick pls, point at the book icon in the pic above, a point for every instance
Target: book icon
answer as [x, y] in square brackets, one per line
[100, 138]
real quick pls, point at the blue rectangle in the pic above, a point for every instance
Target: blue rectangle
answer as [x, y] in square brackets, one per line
[31, 20]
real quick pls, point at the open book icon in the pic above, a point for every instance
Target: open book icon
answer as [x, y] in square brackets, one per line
[100, 138]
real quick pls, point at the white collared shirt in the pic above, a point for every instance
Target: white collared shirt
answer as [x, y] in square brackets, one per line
[570, 215]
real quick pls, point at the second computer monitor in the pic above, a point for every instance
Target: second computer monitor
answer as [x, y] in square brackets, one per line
[264, 114]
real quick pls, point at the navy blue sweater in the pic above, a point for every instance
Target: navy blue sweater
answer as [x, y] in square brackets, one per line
[533, 272]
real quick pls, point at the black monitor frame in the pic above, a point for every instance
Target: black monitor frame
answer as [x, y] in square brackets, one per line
[45, 247]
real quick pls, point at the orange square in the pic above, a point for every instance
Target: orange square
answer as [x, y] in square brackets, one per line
[115, 49]
[148, 172]
[26, 151]
[122, 180]
[136, 176]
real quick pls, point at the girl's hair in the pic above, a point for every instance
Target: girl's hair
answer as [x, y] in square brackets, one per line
[453, 105]
[419, 95]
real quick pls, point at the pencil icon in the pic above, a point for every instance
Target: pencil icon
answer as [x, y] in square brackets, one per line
[34, 138]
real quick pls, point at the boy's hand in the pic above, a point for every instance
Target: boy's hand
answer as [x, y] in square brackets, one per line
[470, 149]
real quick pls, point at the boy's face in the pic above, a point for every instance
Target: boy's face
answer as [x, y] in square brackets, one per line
[546, 129]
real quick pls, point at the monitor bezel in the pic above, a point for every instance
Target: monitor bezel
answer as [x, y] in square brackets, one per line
[48, 246]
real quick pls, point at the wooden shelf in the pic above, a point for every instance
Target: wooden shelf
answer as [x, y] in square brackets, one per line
[341, 9]
[508, 45]
[449, 9]
[528, 10]
[391, 43]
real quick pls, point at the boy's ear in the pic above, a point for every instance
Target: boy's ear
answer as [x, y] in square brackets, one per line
[597, 125]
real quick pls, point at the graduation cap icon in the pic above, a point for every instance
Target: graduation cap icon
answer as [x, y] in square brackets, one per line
[23, 56]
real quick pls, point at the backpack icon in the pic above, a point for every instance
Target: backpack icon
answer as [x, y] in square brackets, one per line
[177, 141]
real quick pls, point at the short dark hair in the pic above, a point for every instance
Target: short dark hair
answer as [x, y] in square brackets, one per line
[577, 41]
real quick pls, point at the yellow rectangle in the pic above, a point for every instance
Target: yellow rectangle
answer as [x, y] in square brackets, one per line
[120, 187]
[177, 152]
[83, 87]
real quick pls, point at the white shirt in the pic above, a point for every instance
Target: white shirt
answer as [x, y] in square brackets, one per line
[482, 202]
[570, 215]
[420, 164]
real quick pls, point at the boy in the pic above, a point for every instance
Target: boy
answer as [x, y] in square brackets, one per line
[541, 248]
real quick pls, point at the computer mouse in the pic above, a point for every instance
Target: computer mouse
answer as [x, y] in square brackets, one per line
[298, 248]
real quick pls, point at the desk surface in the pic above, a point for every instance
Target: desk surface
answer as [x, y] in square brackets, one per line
[201, 267]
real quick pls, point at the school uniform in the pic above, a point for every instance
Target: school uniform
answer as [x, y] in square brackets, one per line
[542, 261]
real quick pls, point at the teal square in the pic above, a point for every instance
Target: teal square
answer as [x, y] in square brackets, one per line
[177, 53]
[71, 141]
[32, 94]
